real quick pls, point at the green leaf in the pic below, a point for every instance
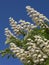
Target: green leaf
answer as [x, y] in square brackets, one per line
[47, 62]
[18, 42]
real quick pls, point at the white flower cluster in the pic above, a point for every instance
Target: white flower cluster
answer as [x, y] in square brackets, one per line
[35, 52]
[8, 33]
[38, 49]
[27, 25]
[42, 43]
[21, 26]
[20, 53]
[38, 18]
[14, 25]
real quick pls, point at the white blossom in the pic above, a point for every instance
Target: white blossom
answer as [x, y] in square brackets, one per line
[37, 17]
[8, 33]
[36, 48]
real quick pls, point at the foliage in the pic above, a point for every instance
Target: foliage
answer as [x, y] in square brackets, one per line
[25, 48]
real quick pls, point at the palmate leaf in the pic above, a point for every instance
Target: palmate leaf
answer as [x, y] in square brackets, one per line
[36, 31]
[47, 33]
[7, 52]
[47, 62]
[18, 42]
[43, 32]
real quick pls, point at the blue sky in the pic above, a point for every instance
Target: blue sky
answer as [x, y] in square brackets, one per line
[16, 9]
